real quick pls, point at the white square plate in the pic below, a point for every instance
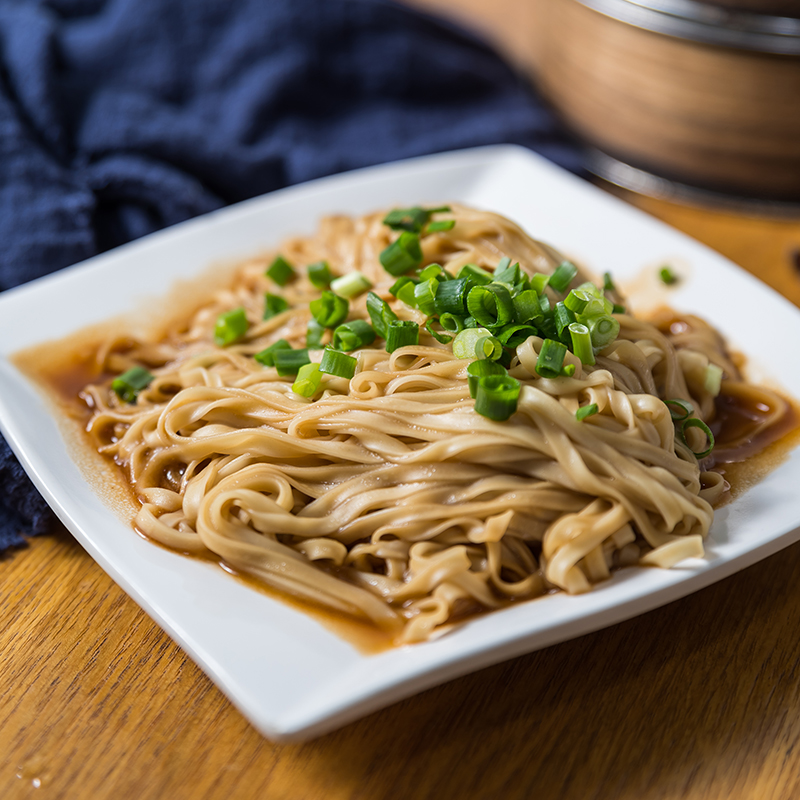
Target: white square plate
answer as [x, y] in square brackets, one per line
[289, 675]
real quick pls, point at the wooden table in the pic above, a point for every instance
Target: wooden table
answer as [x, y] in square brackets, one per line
[700, 699]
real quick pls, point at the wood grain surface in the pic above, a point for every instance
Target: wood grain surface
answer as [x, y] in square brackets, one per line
[699, 699]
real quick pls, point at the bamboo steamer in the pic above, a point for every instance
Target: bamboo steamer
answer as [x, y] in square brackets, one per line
[707, 94]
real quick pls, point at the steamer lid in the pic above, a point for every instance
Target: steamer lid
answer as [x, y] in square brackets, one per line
[728, 23]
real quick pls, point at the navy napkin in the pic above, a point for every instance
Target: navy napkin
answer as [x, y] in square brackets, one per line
[120, 117]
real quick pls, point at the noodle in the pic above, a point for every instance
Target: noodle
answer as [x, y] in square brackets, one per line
[388, 498]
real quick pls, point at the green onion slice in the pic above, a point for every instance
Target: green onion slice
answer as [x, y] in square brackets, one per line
[308, 380]
[435, 271]
[440, 225]
[288, 362]
[401, 333]
[586, 411]
[608, 283]
[451, 296]
[412, 219]
[679, 410]
[568, 370]
[453, 323]
[694, 422]
[334, 362]
[577, 300]
[562, 277]
[563, 318]
[468, 343]
[128, 385]
[230, 327]
[425, 296]
[380, 313]
[352, 335]
[603, 330]
[551, 358]
[581, 343]
[314, 334]
[402, 255]
[491, 305]
[539, 282]
[515, 335]
[475, 274]
[442, 338]
[320, 275]
[280, 271]
[400, 283]
[351, 285]
[667, 276]
[480, 369]
[497, 396]
[267, 355]
[274, 304]
[329, 309]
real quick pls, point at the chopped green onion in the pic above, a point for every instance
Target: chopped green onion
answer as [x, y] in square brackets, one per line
[515, 335]
[267, 355]
[320, 275]
[507, 274]
[470, 322]
[288, 362]
[603, 330]
[586, 411]
[281, 271]
[475, 274]
[425, 296]
[334, 362]
[539, 282]
[667, 276]
[466, 343]
[618, 309]
[491, 305]
[402, 255]
[352, 335]
[274, 304]
[526, 306]
[128, 385]
[713, 379]
[406, 219]
[480, 369]
[577, 300]
[314, 334]
[679, 410]
[694, 422]
[406, 294]
[563, 318]
[597, 306]
[435, 271]
[563, 276]
[451, 296]
[442, 338]
[351, 285]
[230, 327]
[308, 380]
[400, 283]
[581, 343]
[380, 313]
[452, 323]
[400, 333]
[568, 370]
[608, 283]
[497, 396]
[551, 358]
[412, 219]
[329, 309]
[440, 225]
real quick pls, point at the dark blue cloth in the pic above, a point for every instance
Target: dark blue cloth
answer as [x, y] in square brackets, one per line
[120, 117]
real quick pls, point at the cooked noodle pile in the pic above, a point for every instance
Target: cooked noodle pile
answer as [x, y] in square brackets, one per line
[387, 497]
